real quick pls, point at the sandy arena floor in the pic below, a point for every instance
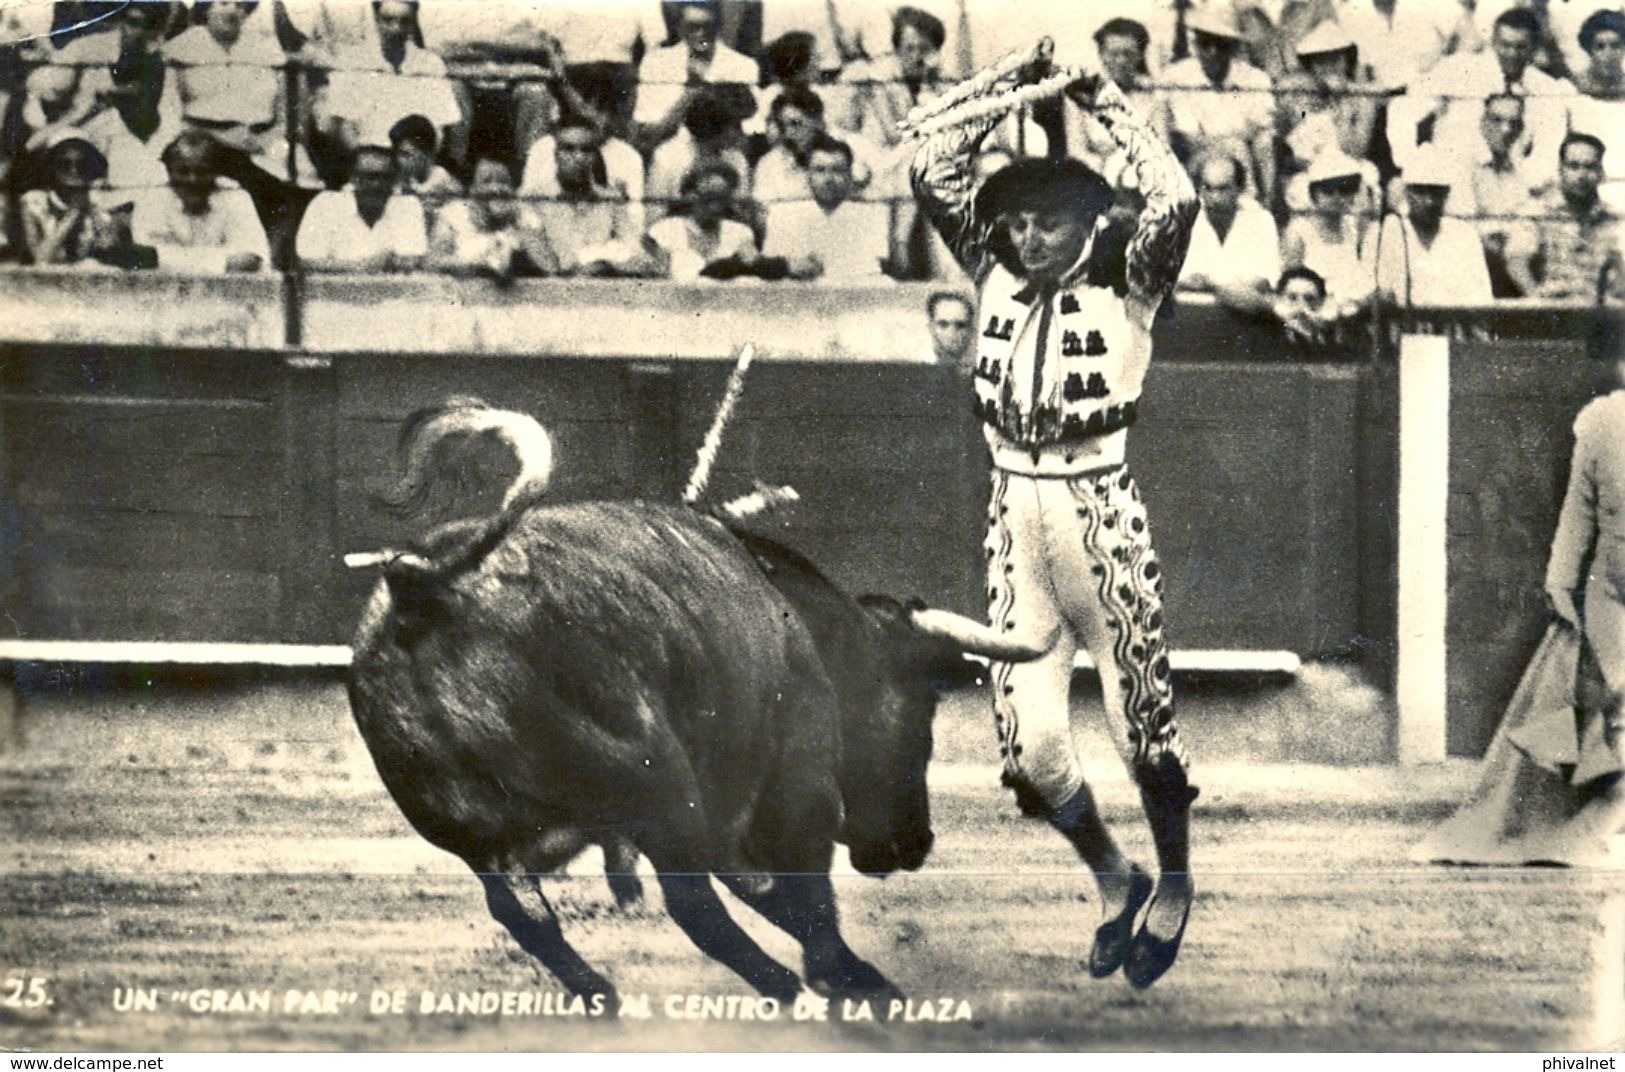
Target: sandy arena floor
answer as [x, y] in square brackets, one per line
[261, 861]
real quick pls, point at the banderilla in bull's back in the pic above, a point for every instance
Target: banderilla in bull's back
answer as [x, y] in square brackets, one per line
[641, 676]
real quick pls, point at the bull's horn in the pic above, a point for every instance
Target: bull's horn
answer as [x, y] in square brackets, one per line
[976, 638]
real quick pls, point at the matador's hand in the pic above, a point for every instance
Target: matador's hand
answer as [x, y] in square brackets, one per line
[1040, 64]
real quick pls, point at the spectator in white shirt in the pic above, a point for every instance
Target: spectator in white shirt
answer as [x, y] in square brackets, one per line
[1327, 104]
[669, 76]
[489, 233]
[1448, 101]
[61, 223]
[1492, 188]
[830, 238]
[795, 123]
[192, 224]
[702, 234]
[366, 227]
[377, 84]
[713, 129]
[1400, 40]
[1216, 101]
[588, 221]
[1425, 257]
[1124, 46]
[231, 84]
[135, 98]
[1235, 250]
[886, 88]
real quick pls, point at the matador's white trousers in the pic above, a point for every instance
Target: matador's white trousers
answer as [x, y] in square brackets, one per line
[1070, 563]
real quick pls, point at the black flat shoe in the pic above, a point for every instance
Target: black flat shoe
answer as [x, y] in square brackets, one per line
[1114, 937]
[1150, 957]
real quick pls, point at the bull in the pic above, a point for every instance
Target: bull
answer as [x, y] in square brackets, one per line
[637, 675]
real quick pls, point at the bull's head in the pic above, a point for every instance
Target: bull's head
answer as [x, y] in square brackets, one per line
[888, 752]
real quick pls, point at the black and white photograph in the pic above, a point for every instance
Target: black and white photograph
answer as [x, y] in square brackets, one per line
[558, 526]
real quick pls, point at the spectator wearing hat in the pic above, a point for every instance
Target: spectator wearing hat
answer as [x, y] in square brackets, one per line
[489, 233]
[367, 226]
[1444, 105]
[413, 141]
[1423, 256]
[702, 233]
[829, 237]
[61, 223]
[1271, 30]
[377, 83]
[1601, 109]
[670, 76]
[1330, 238]
[1328, 103]
[1574, 236]
[713, 130]
[192, 224]
[1216, 101]
[1235, 249]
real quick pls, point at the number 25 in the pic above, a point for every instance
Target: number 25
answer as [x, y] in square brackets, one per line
[17, 997]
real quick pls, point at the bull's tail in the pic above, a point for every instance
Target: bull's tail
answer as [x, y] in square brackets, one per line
[427, 433]
[429, 437]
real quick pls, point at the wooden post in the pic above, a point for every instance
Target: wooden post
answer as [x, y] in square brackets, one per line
[1424, 499]
[310, 554]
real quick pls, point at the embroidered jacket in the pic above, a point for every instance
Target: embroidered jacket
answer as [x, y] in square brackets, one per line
[1063, 366]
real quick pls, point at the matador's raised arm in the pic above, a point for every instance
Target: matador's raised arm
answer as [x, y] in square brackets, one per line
[1163, 233]
[944, 177]
[943, 174]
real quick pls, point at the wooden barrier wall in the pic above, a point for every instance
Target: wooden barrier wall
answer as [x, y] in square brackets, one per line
[181, 478]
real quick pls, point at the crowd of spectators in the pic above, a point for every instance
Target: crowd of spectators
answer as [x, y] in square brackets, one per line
[1422, 151]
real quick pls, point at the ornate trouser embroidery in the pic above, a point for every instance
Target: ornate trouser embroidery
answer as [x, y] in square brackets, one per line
[1073, 558]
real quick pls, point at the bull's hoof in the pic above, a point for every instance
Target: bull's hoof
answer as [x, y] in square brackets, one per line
[1115, 937]
[781, 984]
[853, 977]
[628, 890]
[1151, 955]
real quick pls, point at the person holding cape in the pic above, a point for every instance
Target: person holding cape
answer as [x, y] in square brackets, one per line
[1552, 790]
